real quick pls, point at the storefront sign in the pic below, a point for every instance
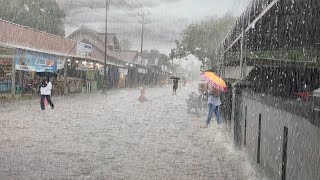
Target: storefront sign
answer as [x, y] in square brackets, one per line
[35, 61]
[84, 50]
[162, 68]
[142, 71]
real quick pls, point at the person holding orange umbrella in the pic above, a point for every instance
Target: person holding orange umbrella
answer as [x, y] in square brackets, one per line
[216, 86]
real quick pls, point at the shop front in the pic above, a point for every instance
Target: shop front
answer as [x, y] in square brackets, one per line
[5, 69]
[19, 68]
[27, 65]
[122, 79]
[142, 76]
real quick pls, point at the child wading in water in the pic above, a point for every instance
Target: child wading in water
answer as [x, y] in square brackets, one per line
[142, 97]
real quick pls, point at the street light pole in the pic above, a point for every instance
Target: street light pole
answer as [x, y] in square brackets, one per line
[105, 50]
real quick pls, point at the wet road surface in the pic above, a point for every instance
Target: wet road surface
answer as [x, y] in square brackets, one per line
[116, 137]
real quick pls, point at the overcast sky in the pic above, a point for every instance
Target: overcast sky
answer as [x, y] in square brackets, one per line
[168, 17]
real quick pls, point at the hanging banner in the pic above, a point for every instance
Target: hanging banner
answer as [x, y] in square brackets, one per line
[101, 70]
[123, 71]
[35, 61]
[60, 63]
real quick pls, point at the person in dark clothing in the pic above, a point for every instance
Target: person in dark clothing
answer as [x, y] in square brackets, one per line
[175, 86]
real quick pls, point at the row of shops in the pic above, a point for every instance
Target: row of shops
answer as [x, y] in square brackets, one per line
[20, 67]
[26, 55]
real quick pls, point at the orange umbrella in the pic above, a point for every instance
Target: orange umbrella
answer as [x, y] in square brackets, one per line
[214, 80]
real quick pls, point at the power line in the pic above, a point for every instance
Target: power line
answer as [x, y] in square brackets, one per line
[88, 6]
[130, 14]
[128, 6]
[142, 29]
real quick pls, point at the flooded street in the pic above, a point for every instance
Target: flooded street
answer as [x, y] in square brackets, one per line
[116, 137]
[259, 59]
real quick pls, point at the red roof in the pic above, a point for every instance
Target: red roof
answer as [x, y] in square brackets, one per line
[14, 35]
[85, 34]
[126, 55]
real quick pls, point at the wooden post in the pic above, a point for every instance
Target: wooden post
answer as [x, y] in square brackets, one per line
[65, 75]
[13, 74]
[244, 56]
[223, 65]
[241, 57]
[105, 51]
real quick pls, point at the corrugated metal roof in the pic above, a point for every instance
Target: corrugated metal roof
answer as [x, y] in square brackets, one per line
[17, 36]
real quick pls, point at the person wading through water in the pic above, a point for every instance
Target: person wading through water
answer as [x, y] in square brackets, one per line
[45, 91]
[214, 103]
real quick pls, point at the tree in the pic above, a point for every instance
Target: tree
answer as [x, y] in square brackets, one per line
[125, 44]
[202, 39]
[164, 60]
[154, 54]
[43, 15]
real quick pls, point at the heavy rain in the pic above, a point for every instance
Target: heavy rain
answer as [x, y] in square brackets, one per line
[160, 89]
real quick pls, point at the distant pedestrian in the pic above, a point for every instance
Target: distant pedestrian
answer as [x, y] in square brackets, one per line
[214, 103]
[175, 86]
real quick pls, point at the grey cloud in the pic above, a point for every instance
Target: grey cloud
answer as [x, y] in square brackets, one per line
[171, 1]
[68, 5]
[168, 17]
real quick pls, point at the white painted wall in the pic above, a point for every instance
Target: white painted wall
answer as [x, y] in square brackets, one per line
[233, 72]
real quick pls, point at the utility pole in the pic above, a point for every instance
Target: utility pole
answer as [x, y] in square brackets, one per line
[172, 55]
[241, 55]
[142, 30]
[105, 50]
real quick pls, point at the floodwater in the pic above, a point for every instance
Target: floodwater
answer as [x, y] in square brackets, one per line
[117, 137]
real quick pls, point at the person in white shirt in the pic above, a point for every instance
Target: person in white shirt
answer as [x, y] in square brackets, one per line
[45, 91]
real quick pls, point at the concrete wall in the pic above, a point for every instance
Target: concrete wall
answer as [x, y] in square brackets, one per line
[303, 148]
